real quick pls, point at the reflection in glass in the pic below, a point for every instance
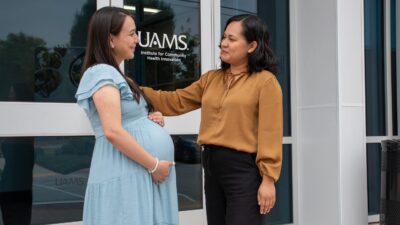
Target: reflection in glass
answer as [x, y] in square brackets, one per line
[60, 177]
[51, 170]
[374, 68]
[16, 166]
[374, 177]
[230, 8]
[276, 16]
[189, 174]
[168, 56]
[41, 49]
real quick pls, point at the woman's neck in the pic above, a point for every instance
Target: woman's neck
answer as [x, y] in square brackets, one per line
[236, 69]
[119, 61]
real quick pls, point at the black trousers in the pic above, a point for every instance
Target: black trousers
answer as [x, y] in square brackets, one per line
[231, 185]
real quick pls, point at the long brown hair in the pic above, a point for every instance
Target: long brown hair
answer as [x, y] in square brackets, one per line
[106, 21]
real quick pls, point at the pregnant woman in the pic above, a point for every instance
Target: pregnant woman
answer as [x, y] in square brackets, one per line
[132, 177]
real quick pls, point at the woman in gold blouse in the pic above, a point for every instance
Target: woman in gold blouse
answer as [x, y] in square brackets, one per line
[241, 124]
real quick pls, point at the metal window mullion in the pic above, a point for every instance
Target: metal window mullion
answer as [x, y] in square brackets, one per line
[207, 35]
[376, 139]
[117, 3]
[217, 32]
[102, 3]
[373, 219]
[397, 17]
[294, 117]
[388, 70]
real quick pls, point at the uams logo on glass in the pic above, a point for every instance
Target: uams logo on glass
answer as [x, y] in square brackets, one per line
[177, 42]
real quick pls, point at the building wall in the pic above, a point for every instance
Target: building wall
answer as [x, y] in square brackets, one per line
[326, 93]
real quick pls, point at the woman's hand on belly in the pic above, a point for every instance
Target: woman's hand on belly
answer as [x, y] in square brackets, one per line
[162, 171]
[157, 117]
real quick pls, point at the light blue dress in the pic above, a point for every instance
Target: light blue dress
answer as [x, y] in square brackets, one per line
[119, 190]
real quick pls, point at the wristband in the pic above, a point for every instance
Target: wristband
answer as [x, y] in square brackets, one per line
[155, 167]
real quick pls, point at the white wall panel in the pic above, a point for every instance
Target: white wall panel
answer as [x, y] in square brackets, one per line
[329, 110]
[317, 52]
[353, 171]
[351, 52]
[317, 165]
[42, 119]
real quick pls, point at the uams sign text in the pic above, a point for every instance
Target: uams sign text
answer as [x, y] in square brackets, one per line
[148, 39]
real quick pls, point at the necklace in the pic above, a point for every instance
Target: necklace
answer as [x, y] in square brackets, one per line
[229, 73]
[230, 78]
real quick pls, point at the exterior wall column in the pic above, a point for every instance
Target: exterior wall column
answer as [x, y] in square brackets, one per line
[330, 183]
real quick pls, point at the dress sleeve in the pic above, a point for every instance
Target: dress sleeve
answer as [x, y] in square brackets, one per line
[96, 77]
[270, 129]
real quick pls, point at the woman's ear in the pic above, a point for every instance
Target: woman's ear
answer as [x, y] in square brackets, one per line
[252, 47]
[111, 41]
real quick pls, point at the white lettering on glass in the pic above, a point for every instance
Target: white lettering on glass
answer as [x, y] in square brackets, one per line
[151, 40]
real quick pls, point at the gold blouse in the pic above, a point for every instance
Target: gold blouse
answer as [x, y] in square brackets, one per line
[245, 115]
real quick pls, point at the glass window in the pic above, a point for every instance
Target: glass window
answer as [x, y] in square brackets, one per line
[276, 16]
[41, 48]
[230, 8]
[168, 55]
[374, 68]
[43, 179]
[374, 177]
[282, 213]
[393, 37]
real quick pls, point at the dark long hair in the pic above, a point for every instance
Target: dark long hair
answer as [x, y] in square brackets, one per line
[254, 29]
[106, 21]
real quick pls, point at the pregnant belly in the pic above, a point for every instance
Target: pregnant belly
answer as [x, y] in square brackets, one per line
[108, 162]
[155, 139]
